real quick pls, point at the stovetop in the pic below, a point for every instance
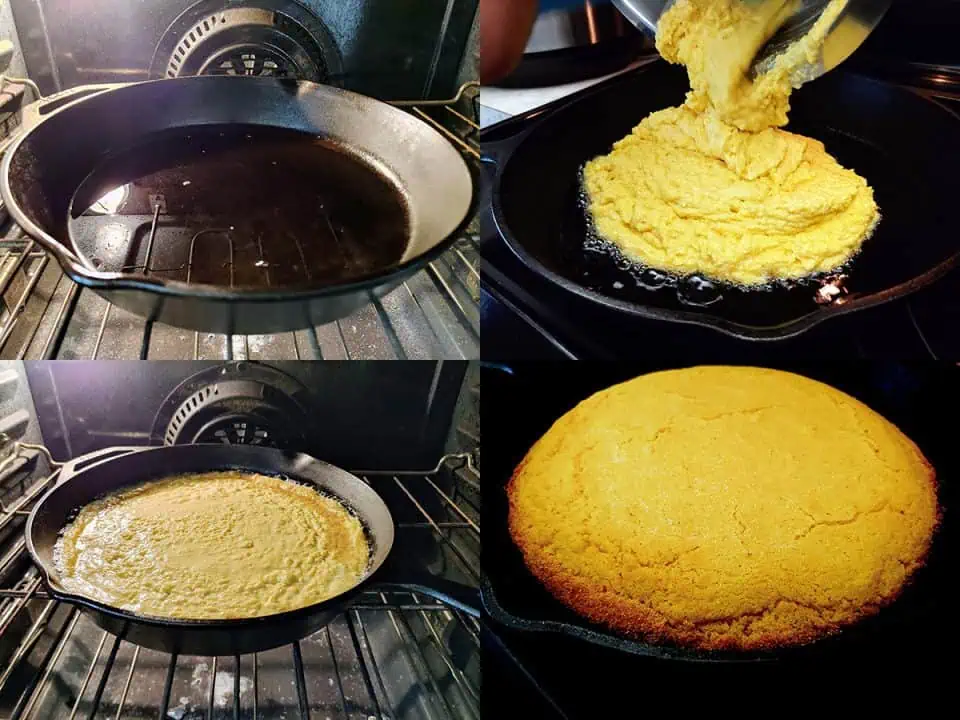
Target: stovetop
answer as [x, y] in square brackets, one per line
[526, 317]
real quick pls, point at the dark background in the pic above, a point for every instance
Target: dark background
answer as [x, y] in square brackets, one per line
[523, 400]
[921, 398]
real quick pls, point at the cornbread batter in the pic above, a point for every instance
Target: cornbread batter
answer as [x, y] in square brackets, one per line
[225, 544]
[714, 186]
[717, 41]
[723, 507]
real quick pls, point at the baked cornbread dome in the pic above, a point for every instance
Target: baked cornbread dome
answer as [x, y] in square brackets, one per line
[723, 508]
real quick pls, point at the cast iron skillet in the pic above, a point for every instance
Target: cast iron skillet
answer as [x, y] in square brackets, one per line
[898, 140]
[105, 471]
[65, 139]
[523, 405]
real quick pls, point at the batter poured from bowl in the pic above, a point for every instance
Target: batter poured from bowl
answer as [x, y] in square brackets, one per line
[226, 544]
[714, 186]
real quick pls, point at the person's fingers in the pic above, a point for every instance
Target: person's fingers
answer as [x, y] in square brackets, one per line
[504, 29]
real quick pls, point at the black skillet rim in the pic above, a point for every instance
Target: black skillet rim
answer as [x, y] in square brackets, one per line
[597, 635]
[531, 120]
[488, 597]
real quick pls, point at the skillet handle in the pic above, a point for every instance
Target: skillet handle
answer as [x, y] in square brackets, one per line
[493, 155]
[496, 151]
[404, 577]
[37, 111]
[78, 464]
[449, 592]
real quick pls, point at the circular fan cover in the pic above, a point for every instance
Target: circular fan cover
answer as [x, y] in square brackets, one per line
[272, 38]
[257, 61]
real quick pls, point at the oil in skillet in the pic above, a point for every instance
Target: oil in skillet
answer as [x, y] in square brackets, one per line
[606, 269]
[289, 207]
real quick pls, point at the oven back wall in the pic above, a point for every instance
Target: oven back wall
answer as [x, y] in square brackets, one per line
[389, 49]
[362, 415]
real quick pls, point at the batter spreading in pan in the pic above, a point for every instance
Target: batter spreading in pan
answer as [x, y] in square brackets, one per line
[225, 544]
[714, 186]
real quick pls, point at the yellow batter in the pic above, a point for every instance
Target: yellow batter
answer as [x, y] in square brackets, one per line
[225, 544]
[714, 187]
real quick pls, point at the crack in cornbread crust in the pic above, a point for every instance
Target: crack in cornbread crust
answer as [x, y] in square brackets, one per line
[639, 510]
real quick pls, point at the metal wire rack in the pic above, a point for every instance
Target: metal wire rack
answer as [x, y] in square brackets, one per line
[390, 655]
[434, 315]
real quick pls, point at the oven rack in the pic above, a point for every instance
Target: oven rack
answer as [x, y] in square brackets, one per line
[433, 315]
[391, 655]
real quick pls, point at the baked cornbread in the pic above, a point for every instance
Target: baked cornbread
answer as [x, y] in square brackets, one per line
[217, 545]
[723, 508]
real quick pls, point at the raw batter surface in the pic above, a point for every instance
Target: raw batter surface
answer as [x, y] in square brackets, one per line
[225, 544]
[714, 186]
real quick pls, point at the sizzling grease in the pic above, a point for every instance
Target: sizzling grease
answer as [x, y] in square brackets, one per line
[225, 544]
[261, 207]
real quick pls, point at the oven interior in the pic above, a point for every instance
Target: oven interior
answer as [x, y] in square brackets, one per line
[412, 433]
[422, 60]
[527, 317]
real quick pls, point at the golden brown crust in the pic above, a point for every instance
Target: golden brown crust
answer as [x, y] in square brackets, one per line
[591, 577]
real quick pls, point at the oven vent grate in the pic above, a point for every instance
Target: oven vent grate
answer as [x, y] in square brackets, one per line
[257, 61]
[189, 40]
[211, 38]
[242, 432]
[251, 41]
[236, 404]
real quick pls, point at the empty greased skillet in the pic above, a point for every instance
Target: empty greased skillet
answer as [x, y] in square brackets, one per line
[107, 471]
[899, 141]
[183, 262]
